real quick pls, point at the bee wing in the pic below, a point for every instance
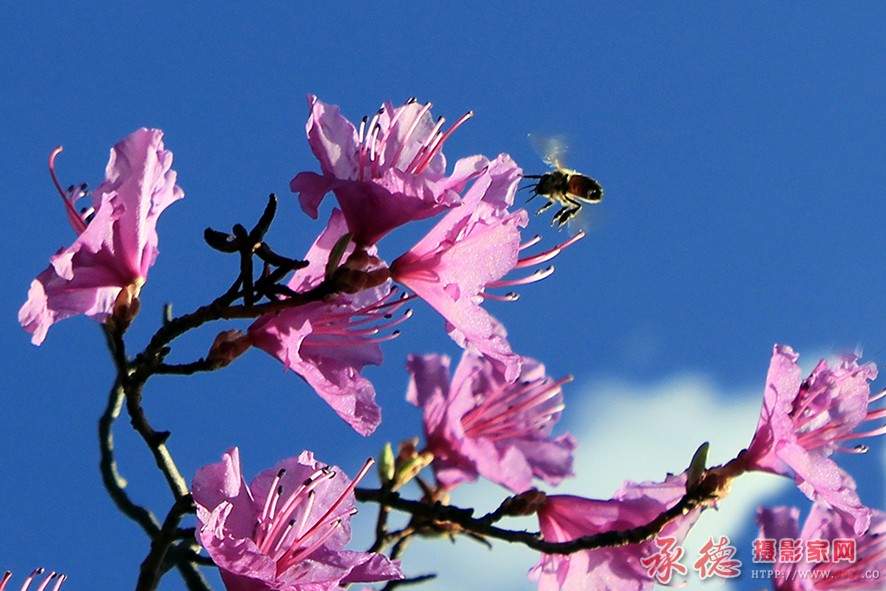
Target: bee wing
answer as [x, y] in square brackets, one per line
[552, 148]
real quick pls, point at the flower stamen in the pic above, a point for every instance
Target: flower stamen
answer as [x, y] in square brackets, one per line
[70, 196]
[409, 132]
[548, 254]
[439, 144]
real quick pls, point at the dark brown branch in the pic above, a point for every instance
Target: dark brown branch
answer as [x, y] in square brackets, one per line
[147, 362]
[185, 369]
[381, 525]
[437, 512]
[153, 566]
[114, 483]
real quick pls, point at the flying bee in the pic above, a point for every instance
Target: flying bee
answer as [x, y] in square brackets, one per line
[567, 188]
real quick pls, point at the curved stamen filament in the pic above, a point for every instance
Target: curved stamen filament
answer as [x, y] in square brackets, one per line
[409, 132]
[327, 520]
[871, 433]
[74, 218]
[275, 553]
[531, 242]
[298, 495]
[532, 278]
[391, 125]
[303, 520]
[361, 153]
[419, 155]
[510, 413]
[372, 140]
[298, 554]
[544, 393]
[35, 573]
[271, 501]
[46, 582]
[496, 402]
[340, 329]
[505, 427]
[354, 343]
[508, 297]
[548, 254]
[432, 152]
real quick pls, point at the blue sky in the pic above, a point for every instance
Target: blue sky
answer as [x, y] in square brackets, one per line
[740, 146]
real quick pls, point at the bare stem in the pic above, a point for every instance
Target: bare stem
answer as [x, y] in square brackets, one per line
[114, 483]
[153, 566]
[438, 513]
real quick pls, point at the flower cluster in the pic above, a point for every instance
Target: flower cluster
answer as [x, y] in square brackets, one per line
[477, 423]
[804, 421]
[492, 417]
[285, 531]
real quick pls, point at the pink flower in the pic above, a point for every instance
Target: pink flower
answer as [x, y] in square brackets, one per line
[329, 342]
[474, 245]
[803, 422]
[287, 530]
[384, 174]
[478, 423]
[117, 237]
[468, 252]
[47, 580]
[836, 570]
[566, 518]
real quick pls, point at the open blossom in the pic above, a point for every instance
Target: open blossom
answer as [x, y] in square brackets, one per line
[478, 423]
[566, 518]
[328, 342]
[116, 238]
[287, 530]
[44, 584]
[803, 422]
[851, 561]
[468, 252]
[388, 172]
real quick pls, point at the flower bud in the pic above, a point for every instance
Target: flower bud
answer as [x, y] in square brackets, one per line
[126, 306]
[526, 503]
[386, 464]
[227, 346]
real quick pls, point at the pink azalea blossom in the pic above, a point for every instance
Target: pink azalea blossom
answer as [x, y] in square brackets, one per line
[117, 237]
[388, 172]
[287, 530]
[468, 252]
[44, 584]
[329, 342]
[566, 518]
[825, 524]
[803, 422]
[478, 423]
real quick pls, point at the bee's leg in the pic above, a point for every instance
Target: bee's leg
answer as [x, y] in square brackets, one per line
[576, 204]
[544, 208]
[566, 214]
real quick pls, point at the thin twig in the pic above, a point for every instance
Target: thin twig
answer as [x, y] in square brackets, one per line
[381, 525]
[410, 581]
[152, 566]
[114, 483]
